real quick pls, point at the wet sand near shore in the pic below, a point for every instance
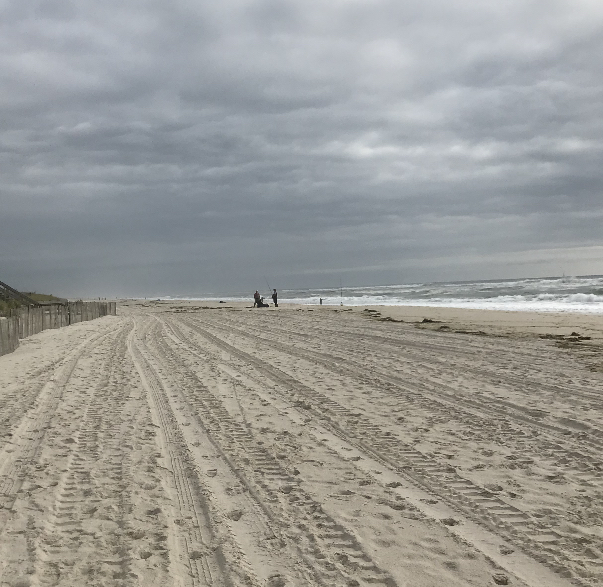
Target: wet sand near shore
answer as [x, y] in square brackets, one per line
[206, 444]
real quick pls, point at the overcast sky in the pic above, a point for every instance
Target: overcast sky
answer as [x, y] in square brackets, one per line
[182, 147]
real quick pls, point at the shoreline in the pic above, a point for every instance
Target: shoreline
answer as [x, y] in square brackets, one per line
[509, 323]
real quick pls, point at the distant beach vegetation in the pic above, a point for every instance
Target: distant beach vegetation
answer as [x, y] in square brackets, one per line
[9, 304]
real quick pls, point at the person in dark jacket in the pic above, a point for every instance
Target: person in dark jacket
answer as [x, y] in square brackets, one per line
[275, 298]
[256, 298]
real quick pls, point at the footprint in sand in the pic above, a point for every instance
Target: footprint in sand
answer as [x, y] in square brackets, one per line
[276, 581]
[235, 515]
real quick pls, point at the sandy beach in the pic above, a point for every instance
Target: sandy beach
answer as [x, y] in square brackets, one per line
[205, 444]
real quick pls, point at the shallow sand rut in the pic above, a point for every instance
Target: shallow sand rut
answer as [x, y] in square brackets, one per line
[197, 447]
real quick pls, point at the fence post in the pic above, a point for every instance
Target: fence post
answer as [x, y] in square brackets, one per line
[3, 338]
[39, 320]
[9, 335]
[25, 321]
[13, 330]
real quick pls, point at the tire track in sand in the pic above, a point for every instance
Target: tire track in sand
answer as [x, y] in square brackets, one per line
[447, 399]
[196, 547]
[478, 505]
[16, 459]
[322, 540]
[95, 435]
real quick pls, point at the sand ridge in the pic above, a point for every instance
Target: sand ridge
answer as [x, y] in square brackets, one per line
[204, 444]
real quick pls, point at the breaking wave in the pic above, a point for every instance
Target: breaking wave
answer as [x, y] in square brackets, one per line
[551, 294]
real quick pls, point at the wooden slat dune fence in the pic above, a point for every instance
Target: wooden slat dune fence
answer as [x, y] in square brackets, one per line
[28, 320]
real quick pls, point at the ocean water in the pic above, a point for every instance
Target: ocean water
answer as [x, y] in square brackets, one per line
[549, 294]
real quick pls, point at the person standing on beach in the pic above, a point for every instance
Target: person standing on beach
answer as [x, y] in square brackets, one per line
[256, 298]
[275, 298]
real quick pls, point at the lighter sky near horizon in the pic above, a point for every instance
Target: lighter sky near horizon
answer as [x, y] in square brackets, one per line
[187, 147]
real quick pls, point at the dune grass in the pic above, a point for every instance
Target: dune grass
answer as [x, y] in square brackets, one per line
[9, 304]
[37, 297]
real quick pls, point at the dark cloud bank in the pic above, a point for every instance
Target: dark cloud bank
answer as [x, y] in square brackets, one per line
[194, 147]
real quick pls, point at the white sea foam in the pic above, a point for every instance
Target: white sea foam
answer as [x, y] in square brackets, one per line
[561, 294]
[509, 303]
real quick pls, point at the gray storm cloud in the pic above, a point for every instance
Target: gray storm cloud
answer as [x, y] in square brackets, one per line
[193, 146]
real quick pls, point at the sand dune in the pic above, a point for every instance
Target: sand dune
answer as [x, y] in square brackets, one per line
[192, 444]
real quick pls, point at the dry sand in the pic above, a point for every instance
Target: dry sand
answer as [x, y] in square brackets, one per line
[193, 444]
